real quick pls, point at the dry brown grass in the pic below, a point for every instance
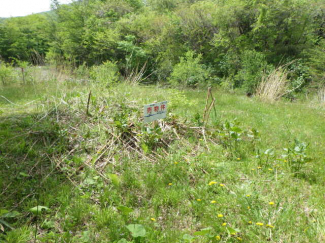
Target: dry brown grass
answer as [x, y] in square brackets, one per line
[321, 95]
[273, 86]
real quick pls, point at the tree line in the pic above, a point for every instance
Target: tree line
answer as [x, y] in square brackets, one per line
[183, 42]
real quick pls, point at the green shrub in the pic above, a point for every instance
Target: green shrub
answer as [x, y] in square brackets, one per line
[316, 62]
[107, 73]
[253, 66]
[189, 71]
[7, 74]
[135, 56]
[299, 75]
[82, 71]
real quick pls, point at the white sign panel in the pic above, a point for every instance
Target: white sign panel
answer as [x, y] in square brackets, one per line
[156, 111]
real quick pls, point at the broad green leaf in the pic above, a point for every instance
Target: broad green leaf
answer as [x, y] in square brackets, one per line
[38, 209]
[2, 222]
[236, 129]
[232, 230]
[3, 211]
[234, 135]
[24, 174]
[188, 237]
[137, 230]
[115, 179]
[205, 231]
[123, 241]
[48, 224]
[12, 214]
[125, 210]
[269, 152]
[90, 181]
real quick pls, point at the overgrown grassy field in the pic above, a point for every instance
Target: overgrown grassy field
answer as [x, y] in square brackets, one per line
[255, 173]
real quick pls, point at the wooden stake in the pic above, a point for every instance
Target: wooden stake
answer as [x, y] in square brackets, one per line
[208, 107]
[87, 111]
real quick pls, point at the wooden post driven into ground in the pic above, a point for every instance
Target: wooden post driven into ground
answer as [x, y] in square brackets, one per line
[208, 107]
[88, 103]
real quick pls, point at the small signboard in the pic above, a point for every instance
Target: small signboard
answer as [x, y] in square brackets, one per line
[156, 111]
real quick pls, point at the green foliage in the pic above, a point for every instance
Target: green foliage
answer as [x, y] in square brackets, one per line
[7, 74]
[38, 209]
[237, 40]
[24, 37]
[135, 56]
[137, 230]
[189, 71]
[295, 156]
[253, 66]
[235, 138]
[106, 73]
[20, 235]
[5, 215]
[316, 62]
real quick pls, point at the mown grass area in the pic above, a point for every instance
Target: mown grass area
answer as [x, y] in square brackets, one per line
[107, 177]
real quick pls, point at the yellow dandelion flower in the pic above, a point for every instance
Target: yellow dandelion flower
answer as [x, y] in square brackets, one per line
[169, 184]
[270, 169]
[259, 167]
[270, 226]
[175, 163]
[285, 161]
[271, 203]
[224, 224]
[153, 219]
[218, 237]
[248, 207]
[250, 222]
[212, 183]
[253, 169]
[240, 239]
[199, 200]
[213, 201]
[248, 195]
[259, 224]
[238, 158]
[222, 185]
[220, 215]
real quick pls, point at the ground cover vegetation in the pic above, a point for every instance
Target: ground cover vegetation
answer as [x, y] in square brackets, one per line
[79, 165]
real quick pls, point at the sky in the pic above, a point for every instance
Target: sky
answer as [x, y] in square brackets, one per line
[14, 8]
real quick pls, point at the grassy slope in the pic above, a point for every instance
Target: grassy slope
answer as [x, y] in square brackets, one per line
[50, 139]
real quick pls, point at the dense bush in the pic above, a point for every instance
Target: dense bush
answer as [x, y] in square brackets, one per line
[105, 74]
[253, 66]
[7, 74]
[189, 71]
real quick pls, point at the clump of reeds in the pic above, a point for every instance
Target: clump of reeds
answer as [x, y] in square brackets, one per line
[273, 86]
